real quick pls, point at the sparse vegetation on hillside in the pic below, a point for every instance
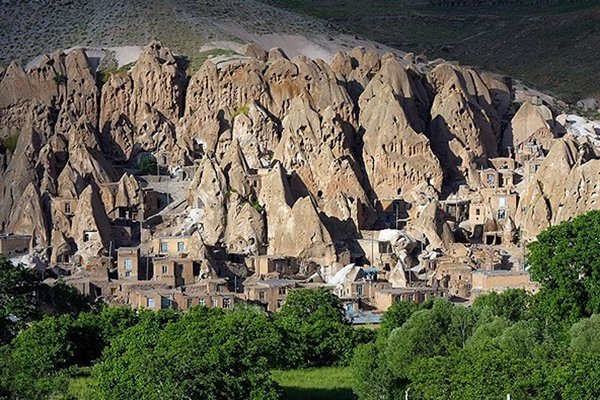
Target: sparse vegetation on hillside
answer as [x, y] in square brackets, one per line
[10, 142]
[60, 79]
[550, 45]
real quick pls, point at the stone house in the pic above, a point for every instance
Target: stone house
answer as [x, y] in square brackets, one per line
[500, 280]
[271, 293]
[11, 244]
[128, 263]
[174, 271]
[384, 298]
[175, 246]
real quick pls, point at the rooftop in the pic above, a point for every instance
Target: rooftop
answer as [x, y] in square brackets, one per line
[501, 272]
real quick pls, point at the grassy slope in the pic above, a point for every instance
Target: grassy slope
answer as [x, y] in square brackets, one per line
[316, 383]
[551, 47]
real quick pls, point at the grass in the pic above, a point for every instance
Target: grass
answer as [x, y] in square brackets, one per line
[332, 383]
[10, 142]
[194, 63]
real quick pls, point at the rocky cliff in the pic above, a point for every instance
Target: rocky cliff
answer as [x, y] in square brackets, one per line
[285, 156]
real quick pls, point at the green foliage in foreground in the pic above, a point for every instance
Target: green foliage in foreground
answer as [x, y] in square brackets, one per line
[116, 353]
[565, 259]
[325, 383]
[543, 346]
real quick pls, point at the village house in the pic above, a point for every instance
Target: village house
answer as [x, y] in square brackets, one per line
[174, 271]
[171, 245]
[12, 245]
[153, 299]
[269, 264]
[384, 298]
[65, 205]
[378, 253]
[500, 280]
[271, 293]
[128, 263]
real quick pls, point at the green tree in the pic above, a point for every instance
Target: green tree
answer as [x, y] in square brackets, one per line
[579, 376]
[206, 354]
[565, 259]
[512, 304]
[148, 165]
[18, 298]
[37, 356]
[397, 315]
[315, 329]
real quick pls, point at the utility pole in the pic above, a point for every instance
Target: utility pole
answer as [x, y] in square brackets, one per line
[110, 255]
[373, 238]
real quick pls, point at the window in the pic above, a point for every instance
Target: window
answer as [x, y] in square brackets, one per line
[478, 211]
[127, 274]
[359, 290]
[127, 264]
[279, 303]
[501, 214]
[411, 297]
[214, 303]
[491, 179]
[502, 202]
[201, 302]
[164, 247]
[226, 303]
[165, 269]
[261, 295]
[180, 247]
[189, 303]
[150, 303]
[67, 208]
[282, 291]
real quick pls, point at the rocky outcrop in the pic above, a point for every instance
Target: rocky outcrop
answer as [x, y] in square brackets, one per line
[90, 229]
[293, 226]
[566, 185]
[397, 155]
[319, 150]
[531, 123]
[465, 127]
[208, 192]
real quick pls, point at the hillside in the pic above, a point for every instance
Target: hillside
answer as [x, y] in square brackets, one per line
[550, 46]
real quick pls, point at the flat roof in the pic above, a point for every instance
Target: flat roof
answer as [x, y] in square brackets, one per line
[500, 272]
[14, 236]
[410, 290]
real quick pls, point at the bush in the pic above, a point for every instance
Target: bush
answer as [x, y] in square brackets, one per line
[148, 166]
[60, 79]
[10, 142]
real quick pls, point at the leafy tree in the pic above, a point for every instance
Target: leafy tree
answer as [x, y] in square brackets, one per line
[373, 379]
[511, 304]
[148, 165]
[65, 299]
[206, 354]
[315, 329]
[36, 357]
[397, 315]
[579, 377]
[18, 298]
[565, 259]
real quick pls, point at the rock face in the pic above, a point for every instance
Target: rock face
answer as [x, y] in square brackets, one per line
[566, 185]
[397, 154]
[465, 126]
[291, 157]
